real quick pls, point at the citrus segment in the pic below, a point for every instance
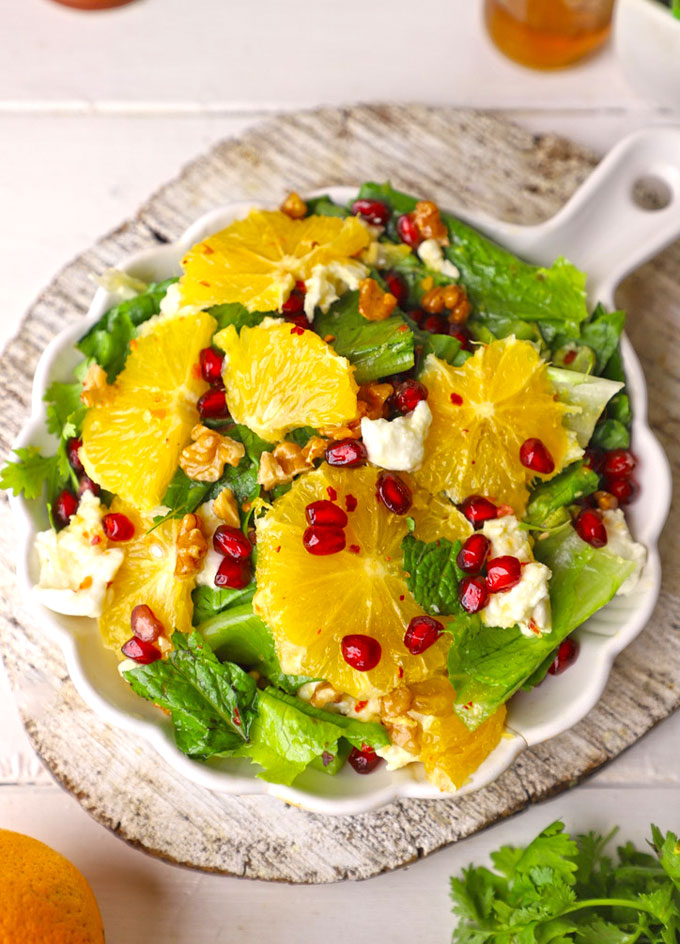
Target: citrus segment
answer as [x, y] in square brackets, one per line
[147, 575]
[450, 752]
[44, 896]
[133, 436]
[279, 378]
[482, 412]
[311, 603]
[256, 261]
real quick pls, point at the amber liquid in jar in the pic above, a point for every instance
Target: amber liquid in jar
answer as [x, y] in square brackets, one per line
[548, 34]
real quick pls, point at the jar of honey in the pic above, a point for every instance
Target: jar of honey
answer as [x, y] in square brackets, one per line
[548, 34]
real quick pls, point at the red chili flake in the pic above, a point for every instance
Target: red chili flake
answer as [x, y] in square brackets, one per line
[350, 502]
[360, 705]
[332, 494]
[206, 250]
[468, 706]
[533, 626]
[456, 399]
[354, 548]
[96, 539]
[237, 717]
[403, 328]
[400, 672]
[278, 549]
[401, 597]
[205, 284]
[296, 330]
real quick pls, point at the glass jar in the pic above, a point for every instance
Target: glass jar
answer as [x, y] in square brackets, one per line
[548, 34]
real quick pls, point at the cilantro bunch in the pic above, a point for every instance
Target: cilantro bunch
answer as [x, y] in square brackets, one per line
[560, 890]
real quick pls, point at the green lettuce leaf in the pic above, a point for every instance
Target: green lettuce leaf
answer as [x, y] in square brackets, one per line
[573, 482]
[601, 334]
[487, 664]
[108, 341]
[375, 348]
[324, 206]
[238, 635]
[586, 395]
[289, 734]
[234, 313]
[212, 704]
[611, 434]
[499, 283]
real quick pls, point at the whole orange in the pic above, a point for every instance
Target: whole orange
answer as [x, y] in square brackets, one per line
[44, 899]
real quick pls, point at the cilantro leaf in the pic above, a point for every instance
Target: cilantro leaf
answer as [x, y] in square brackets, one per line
[212, 704]
[33, 473]
[64, 407]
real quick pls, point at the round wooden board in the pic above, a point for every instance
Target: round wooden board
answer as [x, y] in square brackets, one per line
[461, 159]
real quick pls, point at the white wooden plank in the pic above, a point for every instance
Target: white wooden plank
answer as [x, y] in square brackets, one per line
[273, 54]
[143, 899]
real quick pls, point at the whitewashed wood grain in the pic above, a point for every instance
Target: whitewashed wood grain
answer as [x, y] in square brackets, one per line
[461, 158]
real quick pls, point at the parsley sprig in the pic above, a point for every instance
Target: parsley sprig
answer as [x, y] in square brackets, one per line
[562, 890]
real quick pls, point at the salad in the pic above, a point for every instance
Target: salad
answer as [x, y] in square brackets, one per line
[342, 489]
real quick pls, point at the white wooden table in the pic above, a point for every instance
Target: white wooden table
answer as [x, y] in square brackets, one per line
[96, 110]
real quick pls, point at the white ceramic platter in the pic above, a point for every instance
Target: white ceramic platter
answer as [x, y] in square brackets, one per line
[603, 231]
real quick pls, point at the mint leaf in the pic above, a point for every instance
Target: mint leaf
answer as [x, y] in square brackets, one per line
[108, 341]
[212, 704]
[432, 574]
[209, 601]
[375, 348]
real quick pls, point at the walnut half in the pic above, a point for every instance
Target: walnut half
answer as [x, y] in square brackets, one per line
[191, 546]
[204, 460]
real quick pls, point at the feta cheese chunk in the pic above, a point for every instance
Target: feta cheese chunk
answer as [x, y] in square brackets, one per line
[620, 542]
[432, 254]
[398, 444]
[527, 604]
[328, 282]
[76, 565]
[171, 303]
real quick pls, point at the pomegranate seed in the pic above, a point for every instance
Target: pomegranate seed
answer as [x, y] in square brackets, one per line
[618, 464]
[325, 514]
[350, 502]
[566, 655]
[422, 632]
[298, 321]
[435, 324]
[332, 494]
[321, 541]
[233, 573]
[418, 315]
[478, 509]
[473, 554]
[408, 231]
[346, 452]
[456, 399]
[592, 459]
[461, 337]
[294, 304]
[534, 455]
[373, 211]
[300, 287]
[118, 527]
[211, 365]
[364, 761]
[140, 651]
[409, 394]
[397, 286]
[625, 490]
[213, 404]
[231, 542]
[87, 485]
[394, 493]
[72, 447]
[590, 527]
[473, 594]
[503, 573]
[361, 652]
[64, 506]
[145, 624]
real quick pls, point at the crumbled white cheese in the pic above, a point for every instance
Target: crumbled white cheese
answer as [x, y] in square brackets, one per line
[396, 757]
[210, 522]
[620, 542]
[527, 604]
[432, 254]
[328, 282]
[398, 444]
[74, 571]
[574, 450]
[171, 303]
